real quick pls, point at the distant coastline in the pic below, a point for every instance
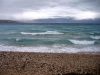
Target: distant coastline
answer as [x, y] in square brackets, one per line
[8, 21]
[26, 22]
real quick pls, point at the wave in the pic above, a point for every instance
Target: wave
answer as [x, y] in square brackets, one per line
[36, 41]
[92, 33]
[8, 32]
[42, 33]
[95, 33]
[82, 42]
[50, 49]
[95, 37]
[24, 40]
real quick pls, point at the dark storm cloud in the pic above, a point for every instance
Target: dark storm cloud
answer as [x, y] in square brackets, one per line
[44, 9]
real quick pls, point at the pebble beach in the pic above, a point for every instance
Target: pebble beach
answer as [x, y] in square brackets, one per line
[30, 63]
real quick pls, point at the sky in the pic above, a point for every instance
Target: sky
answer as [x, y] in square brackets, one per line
[50, 10]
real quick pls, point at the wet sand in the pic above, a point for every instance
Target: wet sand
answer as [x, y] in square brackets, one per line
[29, 63]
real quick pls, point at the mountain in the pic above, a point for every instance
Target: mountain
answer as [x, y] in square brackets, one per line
[9, 21]
[52, 20]
[64, 20]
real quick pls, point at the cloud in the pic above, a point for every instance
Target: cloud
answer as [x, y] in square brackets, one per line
[56, 12]
[37, 9]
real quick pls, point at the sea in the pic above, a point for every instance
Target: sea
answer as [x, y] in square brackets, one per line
[50, 37]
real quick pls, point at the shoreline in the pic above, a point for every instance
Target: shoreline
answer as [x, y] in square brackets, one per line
[32, 63]
[97, 53]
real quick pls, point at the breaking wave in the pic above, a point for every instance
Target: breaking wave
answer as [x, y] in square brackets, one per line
[50, 49]
[82, 42]
[42, 33]
[95, 37]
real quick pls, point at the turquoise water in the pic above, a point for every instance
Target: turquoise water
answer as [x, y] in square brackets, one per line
[56, 38]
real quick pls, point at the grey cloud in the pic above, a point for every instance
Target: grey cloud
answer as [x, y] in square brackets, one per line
[37, 4]
[18, 6]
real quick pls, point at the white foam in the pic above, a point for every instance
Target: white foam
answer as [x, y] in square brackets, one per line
[91, 33]
[82, 42]
[94, 32]
[42, 33]
[18, 39]
[51, 49]
[95, 37]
